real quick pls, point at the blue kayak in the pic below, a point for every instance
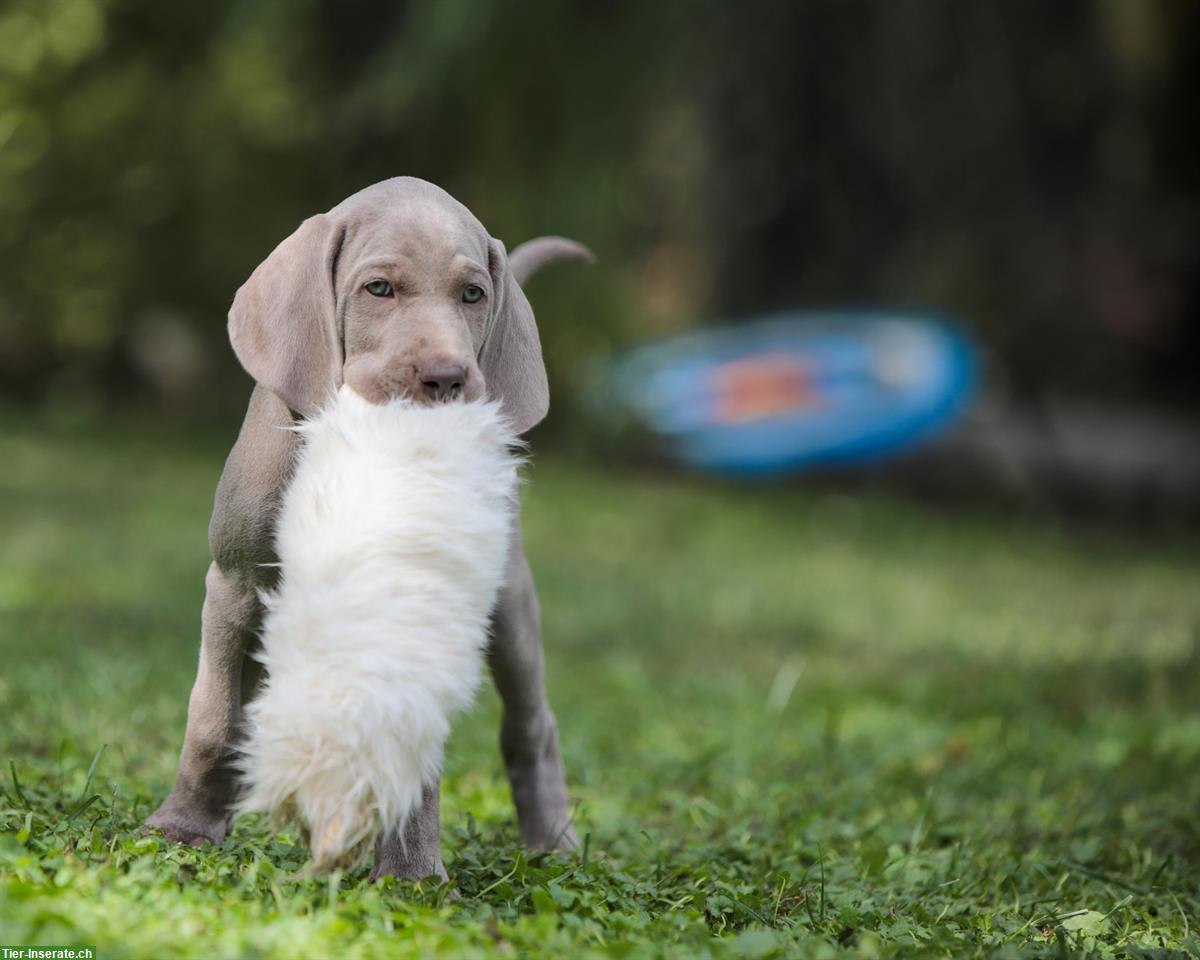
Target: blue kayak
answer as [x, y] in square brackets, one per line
[793, 390]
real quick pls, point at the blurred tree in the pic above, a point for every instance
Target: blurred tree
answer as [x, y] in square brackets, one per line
[153, 154]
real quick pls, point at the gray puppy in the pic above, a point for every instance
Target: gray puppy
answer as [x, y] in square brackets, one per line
[398, 290]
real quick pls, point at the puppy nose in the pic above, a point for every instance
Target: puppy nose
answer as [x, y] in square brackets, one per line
[443, 381]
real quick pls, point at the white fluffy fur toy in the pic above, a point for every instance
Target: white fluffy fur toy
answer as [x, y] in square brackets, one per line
[392, 541]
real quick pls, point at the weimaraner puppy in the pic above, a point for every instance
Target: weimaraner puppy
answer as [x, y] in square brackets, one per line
[398, 290]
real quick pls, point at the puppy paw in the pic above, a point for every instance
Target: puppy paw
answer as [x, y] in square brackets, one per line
[403, 868]
[543, 810]
[187, 825]
[549, 834]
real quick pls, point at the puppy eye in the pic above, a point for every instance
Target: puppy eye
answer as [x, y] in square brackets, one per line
[472, 293]
[379, 288]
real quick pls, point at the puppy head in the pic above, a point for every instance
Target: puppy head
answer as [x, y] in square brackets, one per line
[397, 291]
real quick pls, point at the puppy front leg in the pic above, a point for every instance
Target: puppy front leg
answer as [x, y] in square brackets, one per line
[419, 854]
[197, 809]
[528, 733]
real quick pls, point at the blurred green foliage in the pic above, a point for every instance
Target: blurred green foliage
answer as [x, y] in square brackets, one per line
[1026, 165]
[152, 154]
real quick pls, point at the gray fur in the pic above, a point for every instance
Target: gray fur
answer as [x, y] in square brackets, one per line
[301, 325]
[532, 255]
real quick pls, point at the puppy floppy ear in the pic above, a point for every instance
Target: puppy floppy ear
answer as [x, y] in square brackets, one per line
[511, 356]
[282, 323]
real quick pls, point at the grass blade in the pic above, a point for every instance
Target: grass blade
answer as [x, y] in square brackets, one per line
[92, 770]
[81, 806]
[1103, 877]
[12, 768]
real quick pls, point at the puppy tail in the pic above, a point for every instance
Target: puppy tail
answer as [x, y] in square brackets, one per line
[527, 258]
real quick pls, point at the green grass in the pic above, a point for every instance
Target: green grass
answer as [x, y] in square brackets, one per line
[795, 724]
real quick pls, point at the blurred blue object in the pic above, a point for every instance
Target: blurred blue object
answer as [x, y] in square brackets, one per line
[793, 390]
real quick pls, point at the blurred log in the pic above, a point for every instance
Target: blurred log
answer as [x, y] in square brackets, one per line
[1075, 460]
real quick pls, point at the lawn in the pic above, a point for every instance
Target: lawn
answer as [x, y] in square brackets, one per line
[795, 723]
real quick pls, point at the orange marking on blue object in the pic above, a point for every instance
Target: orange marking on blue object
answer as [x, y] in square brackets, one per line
[755, 388]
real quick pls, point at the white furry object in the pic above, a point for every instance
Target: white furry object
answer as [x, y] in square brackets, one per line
[392, 541]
